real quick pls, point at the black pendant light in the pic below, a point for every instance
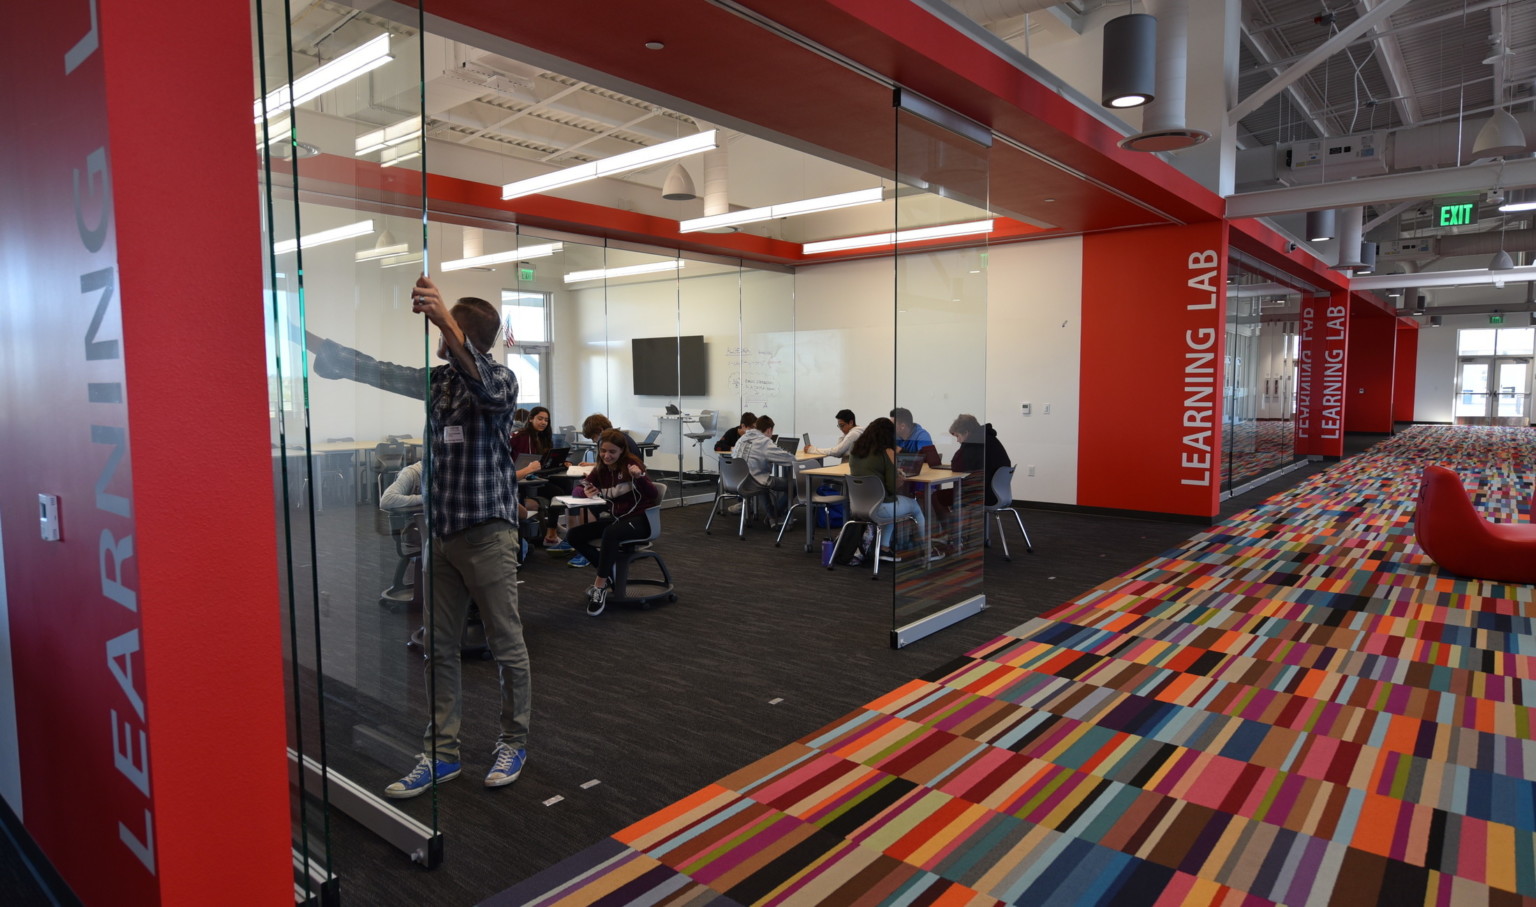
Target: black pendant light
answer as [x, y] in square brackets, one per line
[1130, 61]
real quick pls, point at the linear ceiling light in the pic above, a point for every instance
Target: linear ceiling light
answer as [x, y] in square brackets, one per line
[384, 247]
[400, 261]
[316, 82]
[884, 239]
[628, 271]
[612, 166]
[1519, 200]
[496, 258]
[379, 139]
[785, 209]
[361, 228]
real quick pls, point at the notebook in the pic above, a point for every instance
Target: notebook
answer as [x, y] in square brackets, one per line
[910, 464]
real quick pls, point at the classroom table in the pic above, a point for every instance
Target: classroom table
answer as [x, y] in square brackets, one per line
[930, 478]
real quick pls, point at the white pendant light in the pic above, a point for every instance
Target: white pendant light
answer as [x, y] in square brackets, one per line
[1130, 61]
[1500, 136]
[679, 185]
[1501, 261]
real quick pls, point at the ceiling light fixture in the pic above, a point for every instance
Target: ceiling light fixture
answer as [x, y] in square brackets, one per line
[785, 209]
[1519, 200]
[1500, 136]
[1501, 261]
[627, 271]
[400, 261]
[379, 139]
[619, 163]
[1320, 225]
[678, 186]
[399, 154]
[318, 81]
[945, 231]
[496, 258]
[1367, 258]
[1130, 61]
[361, 228]
[384, 247]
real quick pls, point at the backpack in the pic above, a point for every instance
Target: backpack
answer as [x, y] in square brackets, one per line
[855, 548]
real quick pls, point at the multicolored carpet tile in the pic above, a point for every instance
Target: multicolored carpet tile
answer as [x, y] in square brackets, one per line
[1295, 707]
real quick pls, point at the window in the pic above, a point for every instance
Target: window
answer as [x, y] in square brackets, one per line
[525, 321]
[1496, 342]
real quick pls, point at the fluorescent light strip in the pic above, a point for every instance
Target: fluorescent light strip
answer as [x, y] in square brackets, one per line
[885, 239]
[604, 273]
[360, 228]
[496, 258]
[1518, 206]
[785, 209]
[380, 139]
[390, 161]
[619, 163]
[334, 74]
[383, 252]
[400, 261]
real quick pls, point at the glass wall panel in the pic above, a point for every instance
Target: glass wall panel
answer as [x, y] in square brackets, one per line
[709, 330]
[1259, 373]
[337, 116]
[936, 548]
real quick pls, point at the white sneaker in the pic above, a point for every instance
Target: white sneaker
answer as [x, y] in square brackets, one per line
[733, 508]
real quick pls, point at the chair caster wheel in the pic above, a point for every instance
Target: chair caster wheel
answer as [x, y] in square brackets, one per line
[777, 544]
[672, 597]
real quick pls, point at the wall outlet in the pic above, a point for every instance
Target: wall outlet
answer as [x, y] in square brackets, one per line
[1047, 409]
[1031, 470]
[1024, 408]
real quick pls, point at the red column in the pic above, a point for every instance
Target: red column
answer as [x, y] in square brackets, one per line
[1406, 369]
[1320, 375]
[1372, 354]
[146, 655]
[1153, 341]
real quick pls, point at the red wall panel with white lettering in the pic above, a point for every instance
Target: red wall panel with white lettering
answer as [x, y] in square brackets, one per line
[1153, 342]
[1321, 370]
[144, 642]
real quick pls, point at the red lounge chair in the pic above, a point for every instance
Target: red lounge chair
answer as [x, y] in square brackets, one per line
[1455, 535]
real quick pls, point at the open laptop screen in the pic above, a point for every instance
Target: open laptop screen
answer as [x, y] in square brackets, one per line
[910, 464]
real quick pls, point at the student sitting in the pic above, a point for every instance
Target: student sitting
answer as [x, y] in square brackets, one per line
[851, 432]
[619, 478]
[979, 450]
[758, 449]
[874, 454]
[536, 438]
[728, 438]
[913, 438]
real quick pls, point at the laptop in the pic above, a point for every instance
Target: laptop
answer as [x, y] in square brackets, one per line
[554, 458]
[910, 464]
[525, 459]
[787, 443]
[651, 438]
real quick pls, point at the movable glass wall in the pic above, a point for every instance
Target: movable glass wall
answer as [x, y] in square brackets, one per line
[338, 133]
[1259, 375]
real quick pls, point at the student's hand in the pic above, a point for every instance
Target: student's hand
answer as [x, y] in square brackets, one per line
[635, 470]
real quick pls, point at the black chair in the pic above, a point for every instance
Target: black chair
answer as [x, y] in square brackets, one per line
[388, 460]
[638, 550]
[406, 529]
[865, 493]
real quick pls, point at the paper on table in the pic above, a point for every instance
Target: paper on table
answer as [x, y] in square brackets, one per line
[570, 501]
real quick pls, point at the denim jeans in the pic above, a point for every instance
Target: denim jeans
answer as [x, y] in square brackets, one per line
[900, 508]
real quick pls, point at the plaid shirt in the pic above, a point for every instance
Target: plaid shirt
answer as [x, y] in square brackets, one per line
[472, 481]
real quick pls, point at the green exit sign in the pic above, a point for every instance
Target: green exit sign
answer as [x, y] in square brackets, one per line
[1495, 319]
[525, 272]
[1456, 214]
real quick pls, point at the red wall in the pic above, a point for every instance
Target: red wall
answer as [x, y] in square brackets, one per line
[146, 655]
[1406, 370]
[1153, 343]
[1372, 369]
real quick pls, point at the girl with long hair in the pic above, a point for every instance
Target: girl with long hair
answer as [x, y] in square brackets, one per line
[618, 478]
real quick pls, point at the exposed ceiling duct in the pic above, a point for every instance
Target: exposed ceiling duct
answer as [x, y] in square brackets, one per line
[997, 10]
[1487, 243]
[1350, 221]
[1163, 126]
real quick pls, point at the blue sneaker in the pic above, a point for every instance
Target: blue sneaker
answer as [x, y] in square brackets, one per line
[420, 778]
[578, 561]
[508, 765]
[561, 545]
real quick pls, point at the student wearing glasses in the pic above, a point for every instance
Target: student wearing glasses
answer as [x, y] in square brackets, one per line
[851, 432]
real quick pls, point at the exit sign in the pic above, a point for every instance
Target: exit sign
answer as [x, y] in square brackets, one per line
[1456, 214]
[525, 272]
[1495, 319]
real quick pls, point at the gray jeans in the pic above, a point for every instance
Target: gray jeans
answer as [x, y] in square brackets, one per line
[478, 563]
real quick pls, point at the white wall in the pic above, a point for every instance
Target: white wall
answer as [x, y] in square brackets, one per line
[1435, 385]
[1034, 340]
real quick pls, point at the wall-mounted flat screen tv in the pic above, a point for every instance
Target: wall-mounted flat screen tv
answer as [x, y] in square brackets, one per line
[659, 363]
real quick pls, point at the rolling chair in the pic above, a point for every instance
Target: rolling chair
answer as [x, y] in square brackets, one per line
[705, 433]
[807, 498]
[639, 550]
[1002, 489]
[406, 529]
[865, 493]
[736, 483]
[388, 460]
